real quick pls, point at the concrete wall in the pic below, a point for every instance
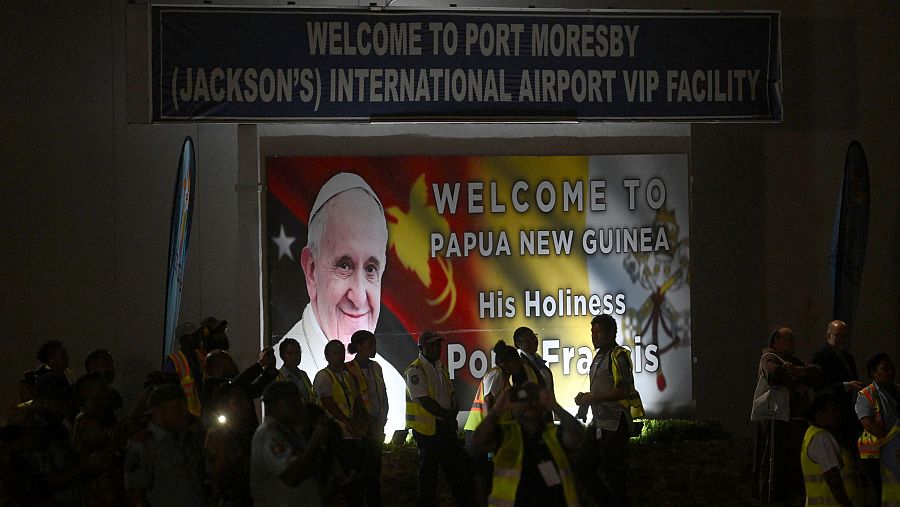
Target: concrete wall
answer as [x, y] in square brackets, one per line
[85, 199]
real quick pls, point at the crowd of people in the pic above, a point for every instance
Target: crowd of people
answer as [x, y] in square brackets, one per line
[830, 443]
[193, 436]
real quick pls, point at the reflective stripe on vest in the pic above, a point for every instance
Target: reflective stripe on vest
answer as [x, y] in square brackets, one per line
[508, 465]
[633, 403]
[476, 414]
[183, 370]
[304, 379]
[817, 490]
[364, 391]
[890, 483]
[530, 373]
[341, 398]
[417, 418]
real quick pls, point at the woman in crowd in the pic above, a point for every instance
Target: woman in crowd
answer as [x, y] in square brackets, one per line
[372, 391]
[339, 395]
[777, 475]
[98, 442]
[827, 467]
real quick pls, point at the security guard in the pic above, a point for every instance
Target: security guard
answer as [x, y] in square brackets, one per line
[613, 401]
[431, 408]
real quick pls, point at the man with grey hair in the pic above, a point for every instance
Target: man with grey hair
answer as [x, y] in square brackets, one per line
[343, 263]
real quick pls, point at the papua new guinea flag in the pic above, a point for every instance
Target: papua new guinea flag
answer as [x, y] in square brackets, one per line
[479, 246]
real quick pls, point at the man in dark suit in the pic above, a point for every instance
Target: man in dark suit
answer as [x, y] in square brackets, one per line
[840, 377]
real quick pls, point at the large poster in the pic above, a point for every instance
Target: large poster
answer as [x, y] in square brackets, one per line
[475, 247]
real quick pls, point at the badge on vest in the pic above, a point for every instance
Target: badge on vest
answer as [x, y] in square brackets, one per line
[549, 473]
[414, 379]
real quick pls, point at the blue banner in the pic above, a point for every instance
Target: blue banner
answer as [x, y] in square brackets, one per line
[179, 234]
[851, 233]
[288, 64]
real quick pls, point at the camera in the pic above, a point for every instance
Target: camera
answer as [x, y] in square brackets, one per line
[525, 392]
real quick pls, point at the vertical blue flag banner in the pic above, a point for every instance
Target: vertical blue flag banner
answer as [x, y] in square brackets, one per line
[179, 234]
[851, 233]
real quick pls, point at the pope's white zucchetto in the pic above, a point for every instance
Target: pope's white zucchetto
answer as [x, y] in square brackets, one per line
[341, 182]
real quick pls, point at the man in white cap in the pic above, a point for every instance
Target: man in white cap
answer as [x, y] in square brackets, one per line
[343, 262]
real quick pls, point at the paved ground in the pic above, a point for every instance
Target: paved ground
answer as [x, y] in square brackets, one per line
[713, 473]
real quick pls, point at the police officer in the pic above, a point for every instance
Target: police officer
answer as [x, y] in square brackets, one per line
[431, 408]
[164, 465]
[285, 466]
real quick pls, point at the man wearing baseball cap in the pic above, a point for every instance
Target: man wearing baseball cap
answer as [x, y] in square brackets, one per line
[431, 408]
[343, 263]
[164, 464]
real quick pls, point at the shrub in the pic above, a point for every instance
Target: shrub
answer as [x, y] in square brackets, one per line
[680, 430]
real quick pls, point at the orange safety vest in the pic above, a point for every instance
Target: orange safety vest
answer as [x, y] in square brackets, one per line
[868, 444]
[183, 370]
[476, 413]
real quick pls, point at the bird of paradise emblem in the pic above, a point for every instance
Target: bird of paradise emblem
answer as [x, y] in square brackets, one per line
[406, 232]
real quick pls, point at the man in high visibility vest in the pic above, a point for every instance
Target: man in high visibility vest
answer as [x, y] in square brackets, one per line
[431, 409]
[612, 384]
[526, 341]
[530, 464]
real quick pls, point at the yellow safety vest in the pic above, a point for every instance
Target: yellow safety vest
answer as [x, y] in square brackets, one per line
[365, 391]
[342, 398]
[183, 370]
[508, 465]
[531, 375]
[817, 490]
[633, 402]
[417, 418]
[890, 483]
[281, 377]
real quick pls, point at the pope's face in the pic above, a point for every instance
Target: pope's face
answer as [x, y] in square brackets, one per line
[344, 279]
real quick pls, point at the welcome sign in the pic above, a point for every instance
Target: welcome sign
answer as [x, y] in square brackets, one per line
[478, 246]
[287, 64]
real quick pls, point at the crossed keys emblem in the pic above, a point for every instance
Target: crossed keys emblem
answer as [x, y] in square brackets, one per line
[659, 273]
